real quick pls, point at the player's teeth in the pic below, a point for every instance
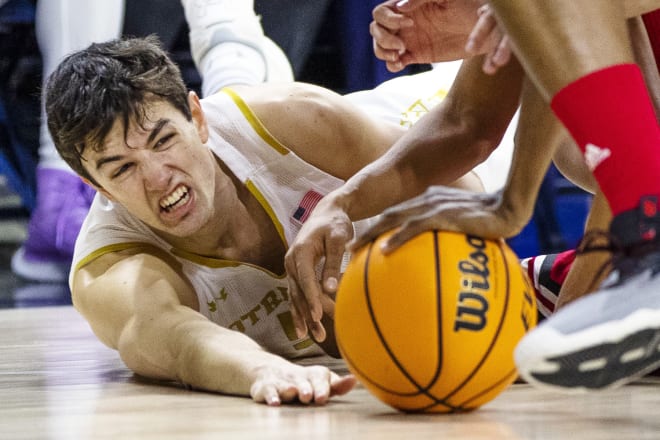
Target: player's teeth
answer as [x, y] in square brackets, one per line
[174, 197]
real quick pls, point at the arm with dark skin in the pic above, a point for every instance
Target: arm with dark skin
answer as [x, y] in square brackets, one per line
[444, 145]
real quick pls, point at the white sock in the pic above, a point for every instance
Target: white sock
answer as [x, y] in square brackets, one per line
[229, 47]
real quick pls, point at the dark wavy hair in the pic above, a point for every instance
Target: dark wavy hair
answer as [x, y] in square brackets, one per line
[92, 88]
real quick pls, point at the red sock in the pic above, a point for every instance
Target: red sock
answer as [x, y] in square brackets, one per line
[610, 115]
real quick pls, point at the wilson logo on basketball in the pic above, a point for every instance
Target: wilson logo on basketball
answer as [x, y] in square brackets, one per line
[472, 304]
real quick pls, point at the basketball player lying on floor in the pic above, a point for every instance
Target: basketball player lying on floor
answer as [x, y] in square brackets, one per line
[413, 161]
[180, 262]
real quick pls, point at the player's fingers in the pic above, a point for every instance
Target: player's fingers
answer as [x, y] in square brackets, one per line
[386, 16]
[477, 42]
[340, 385]
[385, 38]
[328, 304]
[489, 66]
[305, 391]
[407, 231]
[311, 289]
[335, 246]
[296, 308]
[320, 380]
[395, 66]
[502, 54]
[411, 5]
[265, 393]
[300, 266]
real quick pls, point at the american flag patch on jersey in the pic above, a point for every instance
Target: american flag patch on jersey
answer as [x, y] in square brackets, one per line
[306, 206]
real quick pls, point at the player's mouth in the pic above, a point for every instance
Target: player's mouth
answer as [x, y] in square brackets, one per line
[176, 198]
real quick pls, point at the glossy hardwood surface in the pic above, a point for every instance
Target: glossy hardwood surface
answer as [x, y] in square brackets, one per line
[58, 382]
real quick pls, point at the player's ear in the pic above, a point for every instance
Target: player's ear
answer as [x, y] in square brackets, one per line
[199, 119]
[99, 189]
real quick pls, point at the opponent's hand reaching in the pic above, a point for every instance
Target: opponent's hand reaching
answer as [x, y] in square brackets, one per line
[449, 209]
[289, 382]
[422, 31]
[488, 38]
[322, 239]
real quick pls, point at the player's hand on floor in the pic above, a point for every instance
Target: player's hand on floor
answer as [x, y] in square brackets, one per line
[289, 382]
[321, 240]
[444, 208]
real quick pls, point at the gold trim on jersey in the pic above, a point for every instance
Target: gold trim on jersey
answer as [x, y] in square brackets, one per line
[256, 124]
[213, 263]
[269, 210]
[117, 247]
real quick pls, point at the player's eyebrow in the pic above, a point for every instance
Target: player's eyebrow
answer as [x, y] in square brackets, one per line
[158, 127]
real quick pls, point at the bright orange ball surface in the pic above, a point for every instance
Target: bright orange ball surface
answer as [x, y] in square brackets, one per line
[432, 326]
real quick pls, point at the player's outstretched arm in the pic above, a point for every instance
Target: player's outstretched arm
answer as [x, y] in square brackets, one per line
[141, 306]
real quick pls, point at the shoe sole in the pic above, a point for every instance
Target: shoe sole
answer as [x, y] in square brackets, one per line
[599, 358]
[42, 272]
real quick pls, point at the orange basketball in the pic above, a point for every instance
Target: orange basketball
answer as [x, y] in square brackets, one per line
[432, 326]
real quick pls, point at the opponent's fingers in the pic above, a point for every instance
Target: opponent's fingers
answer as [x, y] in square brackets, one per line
[385, 15]
[385, 38]
[407, 231]
[395, 66]
[477, 42]
[502, 54]
[377, 229]
[411, 5]
[391, 57]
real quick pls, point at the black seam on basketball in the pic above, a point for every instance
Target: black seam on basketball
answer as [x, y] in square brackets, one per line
[499, 327]
[507, 377]
[366, 378]
[421, 389]
[348, 358]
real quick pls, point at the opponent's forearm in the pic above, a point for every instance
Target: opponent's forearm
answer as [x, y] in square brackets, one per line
[538, 135]
[442, 146]
[426, 155]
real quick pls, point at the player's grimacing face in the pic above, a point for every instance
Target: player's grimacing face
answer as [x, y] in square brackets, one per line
[159, 170]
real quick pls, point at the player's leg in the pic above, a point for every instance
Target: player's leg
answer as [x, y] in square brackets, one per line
[583, 62]
[62, 199]
[229, 47]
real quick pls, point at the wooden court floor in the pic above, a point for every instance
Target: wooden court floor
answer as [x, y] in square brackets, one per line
[58, 382]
